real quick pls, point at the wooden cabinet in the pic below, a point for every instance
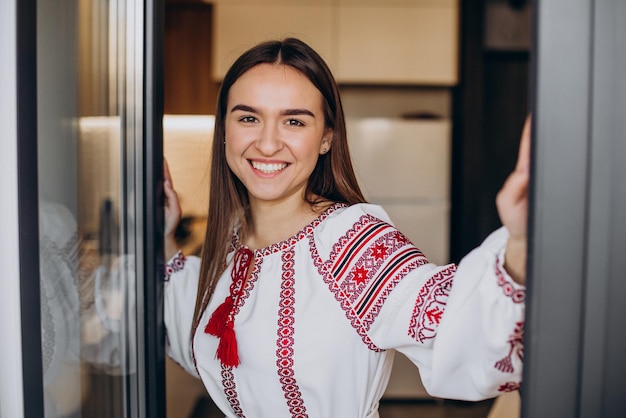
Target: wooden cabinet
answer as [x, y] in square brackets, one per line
[241, 24]
[364, 41]
[188, 55]
[398, 42]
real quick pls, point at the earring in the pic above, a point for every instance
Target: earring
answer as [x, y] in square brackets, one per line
[324, 150]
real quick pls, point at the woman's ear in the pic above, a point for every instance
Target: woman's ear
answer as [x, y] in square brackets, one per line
[326, 141]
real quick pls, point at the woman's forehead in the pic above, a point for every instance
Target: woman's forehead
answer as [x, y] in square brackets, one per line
[274, 85]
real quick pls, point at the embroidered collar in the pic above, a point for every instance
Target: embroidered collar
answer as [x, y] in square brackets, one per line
[291, 241]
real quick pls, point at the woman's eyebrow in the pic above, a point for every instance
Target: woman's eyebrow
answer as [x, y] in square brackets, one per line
[286, 112]
[295, 112]
[244, 108]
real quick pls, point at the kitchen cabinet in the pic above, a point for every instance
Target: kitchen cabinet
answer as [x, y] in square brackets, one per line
[404, 42]
[240, 24]
[398, 42]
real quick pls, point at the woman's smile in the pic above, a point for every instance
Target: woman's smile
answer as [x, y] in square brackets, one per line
[268, 168]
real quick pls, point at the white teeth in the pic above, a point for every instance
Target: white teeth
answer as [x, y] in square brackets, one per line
[268, 168]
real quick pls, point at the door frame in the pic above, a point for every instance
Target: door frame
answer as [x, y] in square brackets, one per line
[574, 341]
[20, 347]
[21, 383]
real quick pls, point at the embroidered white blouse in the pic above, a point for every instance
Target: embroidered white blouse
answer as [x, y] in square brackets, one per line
[324, 311]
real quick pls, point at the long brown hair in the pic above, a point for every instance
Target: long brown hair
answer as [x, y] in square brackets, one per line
[332, 179]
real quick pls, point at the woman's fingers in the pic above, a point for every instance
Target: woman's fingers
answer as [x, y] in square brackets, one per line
[512, 203]
[166, 172]
[172, 205]
[523, 156]
[512, 199]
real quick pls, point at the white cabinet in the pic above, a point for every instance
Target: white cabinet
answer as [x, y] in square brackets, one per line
[364, 41]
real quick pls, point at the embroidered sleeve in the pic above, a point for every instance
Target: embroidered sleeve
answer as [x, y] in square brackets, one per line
[366, 264]
[430, 305]
[176, 263]
[516, 292]
[461, 325]
[431, 300]
[477, 352]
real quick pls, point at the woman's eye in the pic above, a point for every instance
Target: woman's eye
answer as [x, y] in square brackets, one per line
[247, 119]
[294, 122]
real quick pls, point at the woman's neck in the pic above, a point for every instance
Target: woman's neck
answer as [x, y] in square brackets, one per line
[274, 222]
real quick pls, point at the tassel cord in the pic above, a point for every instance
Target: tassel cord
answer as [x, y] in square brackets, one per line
[221, 323]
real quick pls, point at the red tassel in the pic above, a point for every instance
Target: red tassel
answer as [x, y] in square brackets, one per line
[221, 323]
[227, 351]
[217, 322]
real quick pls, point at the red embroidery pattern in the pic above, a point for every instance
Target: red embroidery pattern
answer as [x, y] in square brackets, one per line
[323, 269]
[230, 390]
[176, 264]
[509, 387]
[254, 276]
[284, 350]
[430, 304]
[516, 342]
[517, 295]
[364, 266]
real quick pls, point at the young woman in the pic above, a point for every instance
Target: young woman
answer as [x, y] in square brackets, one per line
[304, 291]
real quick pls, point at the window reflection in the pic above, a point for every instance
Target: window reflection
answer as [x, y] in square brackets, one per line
[60, 307]
[86, 309]
[86, 126]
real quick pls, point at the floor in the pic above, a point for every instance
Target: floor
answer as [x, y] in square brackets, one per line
[390, 409]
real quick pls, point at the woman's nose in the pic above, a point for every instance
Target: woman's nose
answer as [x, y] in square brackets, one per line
[269, 141]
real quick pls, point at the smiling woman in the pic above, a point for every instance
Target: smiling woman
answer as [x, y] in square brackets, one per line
[304, 292]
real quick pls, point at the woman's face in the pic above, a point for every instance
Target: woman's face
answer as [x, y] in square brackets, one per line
[275, 132]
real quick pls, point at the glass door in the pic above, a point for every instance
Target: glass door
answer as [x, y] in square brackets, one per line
[98, 155]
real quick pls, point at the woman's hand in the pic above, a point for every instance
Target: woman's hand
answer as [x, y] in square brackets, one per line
[172, 213]
[512, 204]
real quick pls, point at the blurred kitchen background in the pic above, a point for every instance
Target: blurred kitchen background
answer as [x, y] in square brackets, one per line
[435, 93]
